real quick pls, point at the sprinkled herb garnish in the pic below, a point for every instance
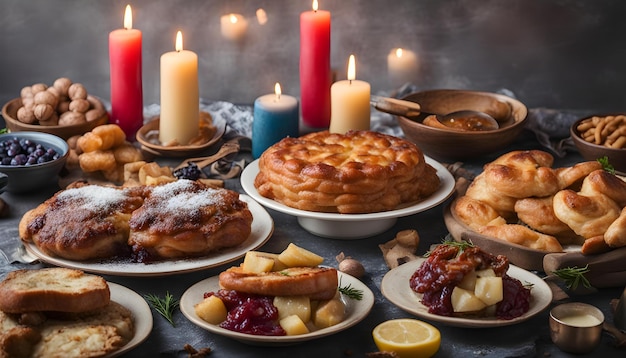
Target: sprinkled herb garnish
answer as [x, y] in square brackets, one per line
[351, 292]
[606, 165]
[573, 276]
[462, 245]
[165, 306]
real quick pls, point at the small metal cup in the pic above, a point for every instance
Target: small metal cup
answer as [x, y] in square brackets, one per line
[576, 327]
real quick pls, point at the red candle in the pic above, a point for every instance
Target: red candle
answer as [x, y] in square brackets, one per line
[126, 86]
[315, 76]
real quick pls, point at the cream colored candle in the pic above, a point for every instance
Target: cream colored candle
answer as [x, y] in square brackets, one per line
[402, 65]
[349, 103]
[180, 100]
[233, 26]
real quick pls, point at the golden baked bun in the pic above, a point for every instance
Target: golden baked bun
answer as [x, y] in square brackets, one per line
[522, 235]
[356, 172]
[83, 222]
[520, 198]
[186, 218]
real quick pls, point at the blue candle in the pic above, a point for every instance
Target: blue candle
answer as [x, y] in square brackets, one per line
[276, 116]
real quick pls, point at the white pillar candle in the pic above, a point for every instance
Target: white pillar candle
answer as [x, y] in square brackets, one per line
[350, 103]
[402, 65]
[180, 100]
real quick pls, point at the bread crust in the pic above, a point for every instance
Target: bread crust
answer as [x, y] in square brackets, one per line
[317, 283]
[356, 172]
[53, 289]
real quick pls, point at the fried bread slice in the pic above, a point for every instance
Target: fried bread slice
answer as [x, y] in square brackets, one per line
[318, 283]
[53, 289]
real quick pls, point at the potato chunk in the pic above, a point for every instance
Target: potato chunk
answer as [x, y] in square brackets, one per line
[489, 289]
[293, 325]
[465, 301]
[211, 309]
[295, 256]
[329, 313]
[293, 305]
[256, 262]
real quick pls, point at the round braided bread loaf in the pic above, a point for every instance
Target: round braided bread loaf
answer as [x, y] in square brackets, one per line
[356, 172]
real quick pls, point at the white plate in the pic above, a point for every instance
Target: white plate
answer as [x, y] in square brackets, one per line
[351, 226]
[395, 286]
[262, 228]
[142, 316]
[355, 312]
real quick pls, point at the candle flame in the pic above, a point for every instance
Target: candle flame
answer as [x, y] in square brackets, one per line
[277, 91]
[128, 18]
[399, 52]
[351, 69]
[179, 41]
[314, 5]
[233, 19]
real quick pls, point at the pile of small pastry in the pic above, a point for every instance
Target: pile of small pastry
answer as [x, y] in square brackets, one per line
[521, 198]
[60, 312]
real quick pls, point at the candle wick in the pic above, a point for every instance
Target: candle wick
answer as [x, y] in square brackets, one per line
[350, 82]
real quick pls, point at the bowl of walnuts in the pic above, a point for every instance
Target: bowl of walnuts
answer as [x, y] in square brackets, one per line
[600, 136]
[64, 109]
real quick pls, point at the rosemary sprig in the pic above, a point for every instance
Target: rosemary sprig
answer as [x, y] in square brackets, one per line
[351, 292]
[462, 245]
[165, 306]
[606, 165]
[573, 276]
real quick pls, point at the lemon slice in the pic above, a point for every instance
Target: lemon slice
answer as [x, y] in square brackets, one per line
[407, 338]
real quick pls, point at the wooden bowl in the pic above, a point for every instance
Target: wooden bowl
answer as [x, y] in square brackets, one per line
[591, 151]
[446, 144]
[147, 136]
[9, 112]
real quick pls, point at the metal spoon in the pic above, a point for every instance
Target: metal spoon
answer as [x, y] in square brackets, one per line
[462, 120]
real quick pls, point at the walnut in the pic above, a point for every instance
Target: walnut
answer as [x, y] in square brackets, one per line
[55, 92]
[28, 102]
[70, 118]
[26, 92]
[94, 114]
[26, 115]
[63, 106]
[52, 121]
[63, 86]
[38, 87]
[77, 91]
[79, 105]
[43, 111]
[46, 97]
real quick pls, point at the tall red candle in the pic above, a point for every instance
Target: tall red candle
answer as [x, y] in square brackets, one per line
[315, 76]
[126, 85]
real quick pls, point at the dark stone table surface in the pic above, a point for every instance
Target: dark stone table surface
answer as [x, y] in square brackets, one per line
[528, 339]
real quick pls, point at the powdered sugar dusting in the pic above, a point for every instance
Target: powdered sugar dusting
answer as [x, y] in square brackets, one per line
[93, 197]
[183, 196]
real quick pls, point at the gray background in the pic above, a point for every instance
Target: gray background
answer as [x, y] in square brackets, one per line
[557, 53]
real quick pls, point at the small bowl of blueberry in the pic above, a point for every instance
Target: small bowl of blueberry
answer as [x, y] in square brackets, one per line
[31, 160]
